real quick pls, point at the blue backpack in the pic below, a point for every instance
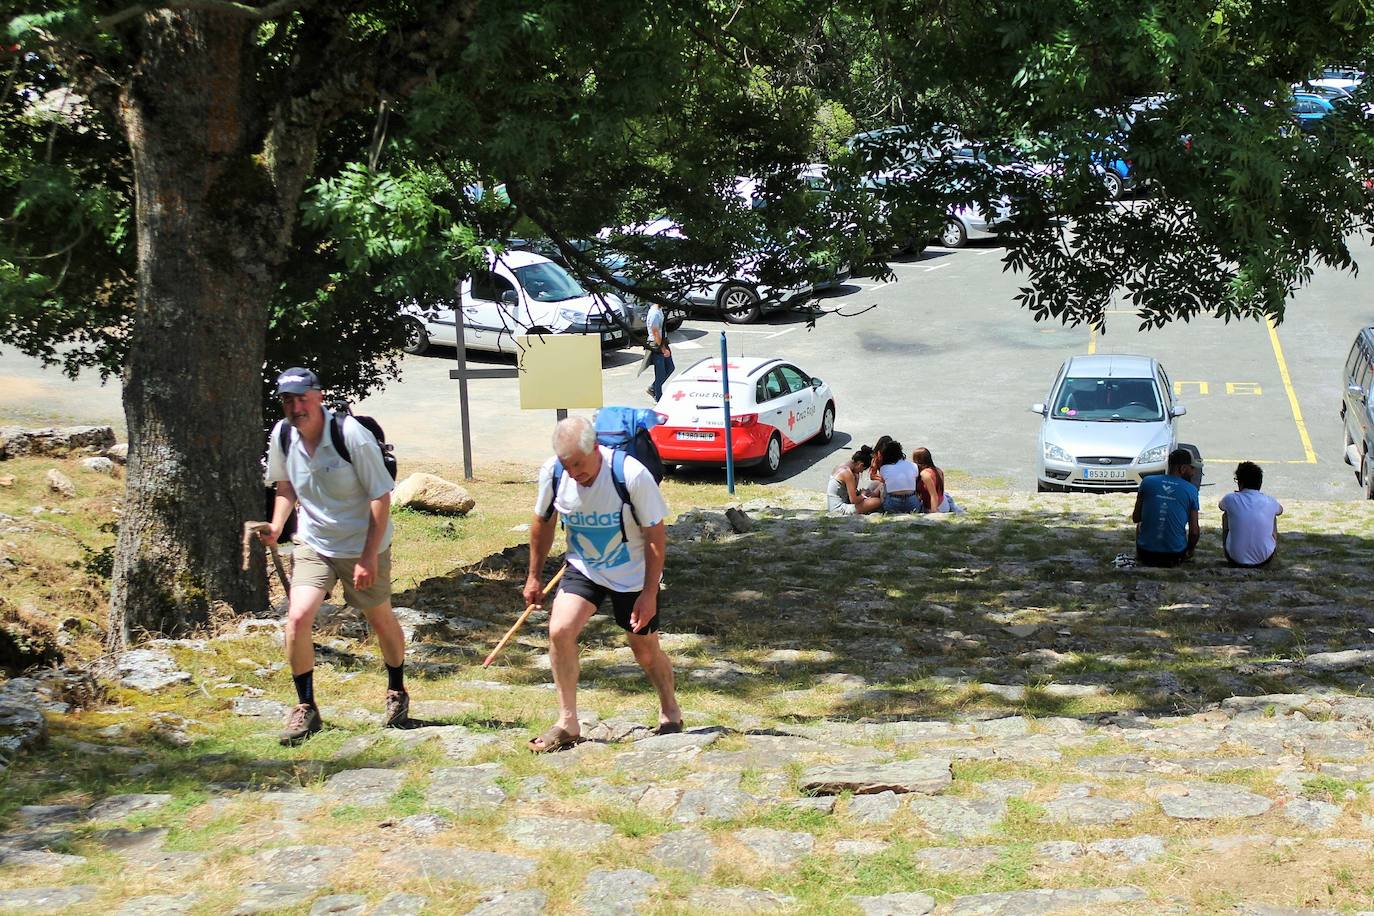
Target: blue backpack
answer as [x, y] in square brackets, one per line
[625, 431]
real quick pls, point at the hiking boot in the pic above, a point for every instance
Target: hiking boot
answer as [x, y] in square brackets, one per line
[397, 709]
[303, 722]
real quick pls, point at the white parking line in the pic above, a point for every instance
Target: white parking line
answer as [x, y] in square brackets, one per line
[937, 267]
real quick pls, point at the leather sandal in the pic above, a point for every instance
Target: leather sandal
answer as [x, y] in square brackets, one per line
[555, 738]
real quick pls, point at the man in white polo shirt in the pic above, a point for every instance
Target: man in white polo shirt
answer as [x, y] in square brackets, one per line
[1249, 520]
[615, 550]
[343, 535]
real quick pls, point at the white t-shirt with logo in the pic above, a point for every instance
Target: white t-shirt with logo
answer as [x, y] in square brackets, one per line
[1250, 518]
[592, 518]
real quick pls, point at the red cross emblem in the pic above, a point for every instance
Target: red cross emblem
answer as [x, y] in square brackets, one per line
[791, 420]
[679, 395]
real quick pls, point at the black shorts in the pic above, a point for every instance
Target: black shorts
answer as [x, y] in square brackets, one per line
[1236, 564]
[622, 603]
[1156, 558]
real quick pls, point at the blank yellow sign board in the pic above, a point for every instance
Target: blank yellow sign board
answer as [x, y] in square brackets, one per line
[559, 371]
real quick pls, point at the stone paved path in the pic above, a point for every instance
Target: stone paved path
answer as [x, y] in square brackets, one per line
[889, 746]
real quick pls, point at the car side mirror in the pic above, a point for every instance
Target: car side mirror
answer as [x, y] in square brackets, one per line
[510, 297]
[1355, 390]
[1178, 411]
[816, 383]
[1038, 408]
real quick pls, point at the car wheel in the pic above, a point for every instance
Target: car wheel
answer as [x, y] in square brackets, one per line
[1349, 439]
[674, 319]
[1367, 477]
[1114, 185]
[953, 235]
[416, 339]
[772, 459]
[739, 304]
[827, 425]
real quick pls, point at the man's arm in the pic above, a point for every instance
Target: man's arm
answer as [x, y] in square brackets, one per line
[1225, 529]
[655, 550]
[378, 514]
[542, 531]
[281, 510]
[1194, 530]
[1139, 504]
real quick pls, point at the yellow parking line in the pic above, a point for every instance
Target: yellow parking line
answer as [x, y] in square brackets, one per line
[1310, 456]
[1092, 340]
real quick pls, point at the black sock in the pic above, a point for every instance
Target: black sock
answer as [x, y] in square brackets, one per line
[395, 677]
[305, 687]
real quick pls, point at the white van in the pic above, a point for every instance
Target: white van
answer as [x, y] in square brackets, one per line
[520, 293]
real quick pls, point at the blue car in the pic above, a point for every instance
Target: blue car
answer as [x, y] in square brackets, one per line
[1309, 108]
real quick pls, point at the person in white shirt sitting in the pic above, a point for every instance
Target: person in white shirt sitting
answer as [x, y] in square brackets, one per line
[1249, 520]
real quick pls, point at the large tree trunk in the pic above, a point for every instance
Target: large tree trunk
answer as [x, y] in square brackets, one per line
[210, 243]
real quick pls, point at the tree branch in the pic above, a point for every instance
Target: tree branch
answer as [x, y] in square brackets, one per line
[270, 11]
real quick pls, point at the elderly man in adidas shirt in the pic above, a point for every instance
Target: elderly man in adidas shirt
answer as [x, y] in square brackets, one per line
[615, 551]
[343, 535]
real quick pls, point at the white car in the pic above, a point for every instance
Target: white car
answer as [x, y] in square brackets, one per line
[520, 293]
[774, 407]
[1110, 421]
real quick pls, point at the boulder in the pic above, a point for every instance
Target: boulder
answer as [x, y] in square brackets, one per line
[119, 454]
[60, 483]
[148, 670]
[98, 464]
[55, 442]
[432, 493]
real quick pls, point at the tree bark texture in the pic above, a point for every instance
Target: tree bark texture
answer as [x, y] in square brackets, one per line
[211, 230]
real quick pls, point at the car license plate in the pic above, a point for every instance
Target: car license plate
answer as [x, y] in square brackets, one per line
[695, 434]
[1104, 473]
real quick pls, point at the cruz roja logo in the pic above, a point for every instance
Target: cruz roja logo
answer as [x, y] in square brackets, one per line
[597, 539]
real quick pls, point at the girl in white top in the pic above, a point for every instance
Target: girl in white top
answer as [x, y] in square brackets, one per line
[899, 480]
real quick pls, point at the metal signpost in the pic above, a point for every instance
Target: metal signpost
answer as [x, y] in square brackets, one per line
[729, 439]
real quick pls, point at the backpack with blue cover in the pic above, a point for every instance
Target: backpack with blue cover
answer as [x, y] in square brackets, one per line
[625, 431]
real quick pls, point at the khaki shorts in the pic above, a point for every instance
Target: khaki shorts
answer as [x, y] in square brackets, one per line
[310, 568]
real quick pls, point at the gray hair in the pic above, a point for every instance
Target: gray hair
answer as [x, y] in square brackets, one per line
[574, 434]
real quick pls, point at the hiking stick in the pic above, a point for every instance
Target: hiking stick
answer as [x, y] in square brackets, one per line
[251, 531]
[520, 621]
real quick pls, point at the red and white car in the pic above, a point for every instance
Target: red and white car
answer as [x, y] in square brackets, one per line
[774, 407]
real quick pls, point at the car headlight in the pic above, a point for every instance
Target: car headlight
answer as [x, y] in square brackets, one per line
[1055, 453]
[572, 316]
[1153, 455]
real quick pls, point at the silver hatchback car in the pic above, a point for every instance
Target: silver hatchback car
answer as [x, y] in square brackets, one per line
[1109, 421]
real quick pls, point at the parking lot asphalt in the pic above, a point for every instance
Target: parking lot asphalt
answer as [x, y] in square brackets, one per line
[941, 357]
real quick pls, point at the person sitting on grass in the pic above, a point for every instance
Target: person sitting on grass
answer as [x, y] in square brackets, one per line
[1249, 520]
[842, 493]
[930, 484]
[899, 480]
[1165, 514]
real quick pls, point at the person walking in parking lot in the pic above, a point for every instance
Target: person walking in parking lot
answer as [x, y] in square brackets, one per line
[343, 535]
[1165, 514]
[660, 353]
[616, 549]
[1249, 520]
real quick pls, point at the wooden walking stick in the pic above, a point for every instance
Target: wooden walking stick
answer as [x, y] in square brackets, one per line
[250, 534]
[520, 621]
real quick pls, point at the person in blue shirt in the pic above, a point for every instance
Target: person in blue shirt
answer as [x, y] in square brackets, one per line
[1165, 515]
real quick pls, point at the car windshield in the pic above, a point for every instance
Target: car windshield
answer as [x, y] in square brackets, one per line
[547, 282]
[1112, 399]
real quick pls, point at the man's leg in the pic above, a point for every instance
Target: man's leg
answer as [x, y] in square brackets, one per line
[567, 619]
[392, 641]
[659, 669]
[304, 720]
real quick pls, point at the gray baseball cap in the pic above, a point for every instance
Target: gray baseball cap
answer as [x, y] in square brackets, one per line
[297, 381]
